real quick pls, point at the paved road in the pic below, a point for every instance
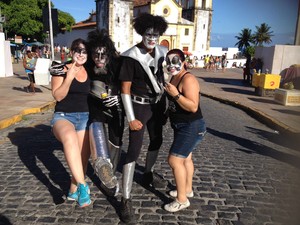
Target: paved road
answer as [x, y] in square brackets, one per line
[244, 174]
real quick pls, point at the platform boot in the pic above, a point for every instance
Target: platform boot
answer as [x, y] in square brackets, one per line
[127, 211]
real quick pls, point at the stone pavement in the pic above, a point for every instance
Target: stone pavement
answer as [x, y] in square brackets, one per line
[240, 179]
[227, 87]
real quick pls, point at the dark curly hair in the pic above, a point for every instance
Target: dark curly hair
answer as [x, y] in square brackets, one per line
[76, 43]
[100, 38]
[146, 20]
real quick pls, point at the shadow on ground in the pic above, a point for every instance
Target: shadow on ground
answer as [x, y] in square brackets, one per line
[24, 89]
[37, 144]
[255, 147]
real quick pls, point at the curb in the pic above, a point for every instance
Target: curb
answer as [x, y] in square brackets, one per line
[17, 118]
[258, 115]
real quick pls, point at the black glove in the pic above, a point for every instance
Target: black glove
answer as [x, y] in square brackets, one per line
[57, 69]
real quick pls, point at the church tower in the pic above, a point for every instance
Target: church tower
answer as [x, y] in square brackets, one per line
[200, 13]
[190, 21]
[116, 16]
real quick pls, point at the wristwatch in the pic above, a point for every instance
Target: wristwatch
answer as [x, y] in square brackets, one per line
[176, 97]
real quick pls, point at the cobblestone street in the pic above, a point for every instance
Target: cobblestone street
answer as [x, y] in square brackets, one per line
[242, 176]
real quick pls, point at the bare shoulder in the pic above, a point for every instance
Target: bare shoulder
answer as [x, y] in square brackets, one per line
[190, 78]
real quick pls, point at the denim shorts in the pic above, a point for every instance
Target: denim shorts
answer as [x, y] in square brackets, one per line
[186, 137]
[80, 120]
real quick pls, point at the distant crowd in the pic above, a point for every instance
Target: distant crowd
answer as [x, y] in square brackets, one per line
[60, 52]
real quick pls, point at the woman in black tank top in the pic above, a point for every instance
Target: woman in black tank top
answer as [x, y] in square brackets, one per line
[70, 88]
[189, 127]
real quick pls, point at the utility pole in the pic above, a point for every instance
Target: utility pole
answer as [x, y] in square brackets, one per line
[1, 21]
[297, 33]
[51, 30]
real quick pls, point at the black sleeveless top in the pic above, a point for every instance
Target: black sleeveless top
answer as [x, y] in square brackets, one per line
[178, 114]
[76, 99]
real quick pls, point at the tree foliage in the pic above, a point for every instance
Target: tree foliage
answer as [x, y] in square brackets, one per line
[245, 39]
[65, 20]
[250, 50]
[25, 18]
[263, 34]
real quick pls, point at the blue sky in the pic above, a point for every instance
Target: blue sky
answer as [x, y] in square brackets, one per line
[229, 17]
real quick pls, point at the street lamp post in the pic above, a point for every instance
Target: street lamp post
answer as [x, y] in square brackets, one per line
[51, 30]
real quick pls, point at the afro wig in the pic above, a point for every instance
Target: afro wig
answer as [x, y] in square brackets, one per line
[100, 38]
[146, 20]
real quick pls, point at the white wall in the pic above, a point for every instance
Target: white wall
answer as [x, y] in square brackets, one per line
[6, 68]
[279, 57]
[67, 38]
[217, 51]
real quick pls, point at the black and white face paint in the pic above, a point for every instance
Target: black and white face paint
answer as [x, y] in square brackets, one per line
[79, 54]
[100, 57]
[174, 64]
[150, 38]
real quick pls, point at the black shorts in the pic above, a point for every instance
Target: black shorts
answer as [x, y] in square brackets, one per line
[31, 77]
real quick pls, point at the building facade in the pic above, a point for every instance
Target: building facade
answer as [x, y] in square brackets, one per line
[189, 23]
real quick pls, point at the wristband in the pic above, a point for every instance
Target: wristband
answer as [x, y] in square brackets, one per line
[127, 103]
[176, 97]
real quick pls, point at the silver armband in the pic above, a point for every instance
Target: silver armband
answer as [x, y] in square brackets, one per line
[127, 103]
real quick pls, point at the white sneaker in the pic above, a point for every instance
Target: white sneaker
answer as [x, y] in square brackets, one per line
[176, 206]
[174, 194]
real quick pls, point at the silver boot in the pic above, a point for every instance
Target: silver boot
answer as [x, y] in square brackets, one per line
[100, 155]
[127, 211]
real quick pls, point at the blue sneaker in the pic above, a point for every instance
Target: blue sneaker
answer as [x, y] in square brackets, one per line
[73, 196]
[83, 195]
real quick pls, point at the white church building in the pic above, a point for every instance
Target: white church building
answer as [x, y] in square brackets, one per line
[189, 23]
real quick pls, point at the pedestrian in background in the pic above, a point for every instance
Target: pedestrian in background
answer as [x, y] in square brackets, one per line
[224, 62]
[70, 88]
[29, 62]
[188, 125]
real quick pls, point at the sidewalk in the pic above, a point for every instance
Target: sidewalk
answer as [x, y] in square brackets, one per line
[229, 88]
[226, 87]
[16, 102]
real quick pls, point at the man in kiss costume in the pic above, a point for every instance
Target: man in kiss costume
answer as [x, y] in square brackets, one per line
[142, 90]
[105, 107]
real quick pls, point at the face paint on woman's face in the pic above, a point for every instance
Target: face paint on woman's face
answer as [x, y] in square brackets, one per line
[80, 54]
[100, 57]
[150, 38]
[174, 64]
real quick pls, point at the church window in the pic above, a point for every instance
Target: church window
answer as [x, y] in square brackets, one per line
[186, 31]
[166, 11]
[203, 26]
[203, 4]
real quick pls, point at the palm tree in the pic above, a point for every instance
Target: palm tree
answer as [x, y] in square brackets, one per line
[263, 34]
[245, 38]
